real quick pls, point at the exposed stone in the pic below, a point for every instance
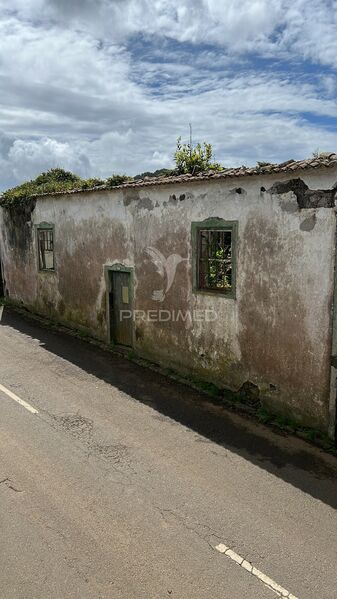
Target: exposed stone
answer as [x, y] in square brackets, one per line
[306, 198]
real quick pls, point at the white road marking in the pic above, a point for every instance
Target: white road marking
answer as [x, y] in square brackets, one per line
[268, 582]
[20, 401]
[1, 312]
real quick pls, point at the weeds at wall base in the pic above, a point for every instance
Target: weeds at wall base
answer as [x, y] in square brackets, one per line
[230, 400]
[235, 401]
[294, 428]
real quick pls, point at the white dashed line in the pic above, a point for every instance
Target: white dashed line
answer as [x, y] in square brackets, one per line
[18, 400]
[268, 582]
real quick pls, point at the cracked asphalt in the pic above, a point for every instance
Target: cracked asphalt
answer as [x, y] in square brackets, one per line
[125, 482]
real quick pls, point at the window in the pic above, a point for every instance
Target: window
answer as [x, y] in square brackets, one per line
[215, 260]
[214, 247]
[45, 241]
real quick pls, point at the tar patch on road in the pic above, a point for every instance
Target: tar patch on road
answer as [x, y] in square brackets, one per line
[293, 461]
[82, 428]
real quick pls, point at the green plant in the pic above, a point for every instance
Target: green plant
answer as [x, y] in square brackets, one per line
[56, 175]
[53, 181]
[263, 415]
[162, 172]
[310, 434]
[207, 387]
[194, 160]
[282, 421]
[83, 333]
[115, 180]
[91, 183]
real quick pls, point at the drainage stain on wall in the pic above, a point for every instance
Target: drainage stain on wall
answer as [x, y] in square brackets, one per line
[272, 340]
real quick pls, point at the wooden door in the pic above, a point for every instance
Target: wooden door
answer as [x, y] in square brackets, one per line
[120, 308]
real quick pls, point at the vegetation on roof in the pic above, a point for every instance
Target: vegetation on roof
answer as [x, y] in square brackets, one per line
[188, 159]
[195, 159]
[191, 160]
[52, 181]
[115, 180]
[162, 172]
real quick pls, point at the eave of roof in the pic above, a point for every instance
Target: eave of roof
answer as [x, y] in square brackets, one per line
[324, 160]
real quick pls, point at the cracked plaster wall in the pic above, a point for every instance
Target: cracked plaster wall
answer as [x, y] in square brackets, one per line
[276, 333]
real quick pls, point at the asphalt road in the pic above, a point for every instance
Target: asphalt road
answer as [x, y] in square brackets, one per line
[124, 484]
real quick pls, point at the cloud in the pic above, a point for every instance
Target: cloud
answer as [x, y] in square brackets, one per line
[29, 157]
[225, 23]
[295, 27]
[22, 160]
[105, 86]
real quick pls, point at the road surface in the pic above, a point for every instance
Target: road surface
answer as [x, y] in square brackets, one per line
[117, 483]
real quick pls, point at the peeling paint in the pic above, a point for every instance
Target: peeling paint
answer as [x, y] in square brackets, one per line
[271, 343]
[145, 203]
[309, 223]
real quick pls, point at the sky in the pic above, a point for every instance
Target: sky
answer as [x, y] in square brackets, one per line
[106, 86]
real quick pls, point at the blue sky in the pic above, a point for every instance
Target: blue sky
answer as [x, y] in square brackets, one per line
[107, 86]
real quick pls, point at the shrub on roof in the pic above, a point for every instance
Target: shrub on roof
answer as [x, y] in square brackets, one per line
[195, 159]
[115, 180]
[162, 172]
[91, 183]
[54, 180]
[56, 175]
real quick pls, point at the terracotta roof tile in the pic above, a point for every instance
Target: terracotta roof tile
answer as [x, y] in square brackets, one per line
[326, 160]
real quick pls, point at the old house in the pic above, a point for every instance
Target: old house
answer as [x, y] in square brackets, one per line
[228, 277]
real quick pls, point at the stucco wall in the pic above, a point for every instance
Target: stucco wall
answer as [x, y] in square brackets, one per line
[275, 333]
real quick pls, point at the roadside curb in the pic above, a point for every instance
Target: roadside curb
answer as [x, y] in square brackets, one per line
[310, 436]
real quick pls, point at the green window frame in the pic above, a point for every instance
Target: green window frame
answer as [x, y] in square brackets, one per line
[214, 255]
[45, 247]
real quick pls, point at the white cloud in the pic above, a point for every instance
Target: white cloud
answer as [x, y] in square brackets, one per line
[28, 158]
[77, 91]
[22, 160]
[301, 27]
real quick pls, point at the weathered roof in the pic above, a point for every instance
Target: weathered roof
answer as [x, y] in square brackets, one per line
[324, 160]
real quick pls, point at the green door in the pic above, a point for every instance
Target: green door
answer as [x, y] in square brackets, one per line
[120, 308]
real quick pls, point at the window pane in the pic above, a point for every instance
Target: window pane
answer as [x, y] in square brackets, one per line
[215, 260]
[46, 249]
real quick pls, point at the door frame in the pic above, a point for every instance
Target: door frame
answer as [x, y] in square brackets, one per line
[108, 268]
